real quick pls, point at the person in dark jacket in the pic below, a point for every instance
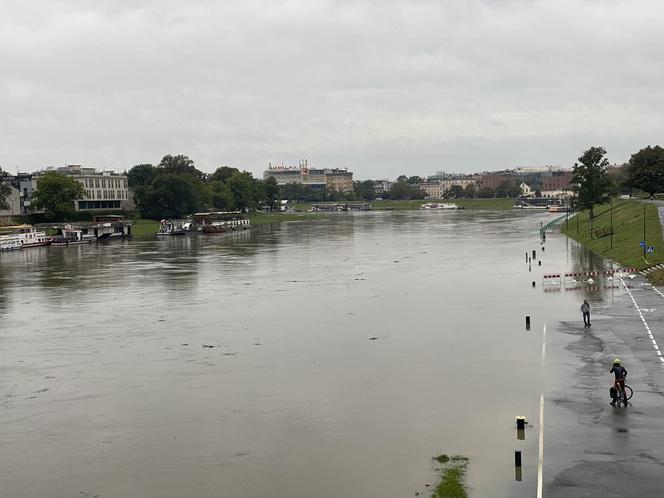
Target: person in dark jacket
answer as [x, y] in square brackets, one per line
[621, 373]
[585, 309]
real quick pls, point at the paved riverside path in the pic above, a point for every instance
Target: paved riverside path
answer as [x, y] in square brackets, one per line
[591, 448]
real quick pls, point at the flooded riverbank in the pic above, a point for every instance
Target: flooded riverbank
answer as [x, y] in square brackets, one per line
[347, 353]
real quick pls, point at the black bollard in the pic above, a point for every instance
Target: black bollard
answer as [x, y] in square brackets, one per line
[529, 267]
[533, 284]
[539, 263]
[534, 254]
[526, 256]
[542, 248]
[517, 465]
[521, 422]
[521, 427]
[527, 322]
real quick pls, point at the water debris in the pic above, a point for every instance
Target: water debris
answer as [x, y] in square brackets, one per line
[373, 338]
[209, 346]
[257, 343]
[184, 344]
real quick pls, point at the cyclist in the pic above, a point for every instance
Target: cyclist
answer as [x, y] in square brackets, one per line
[621, 373]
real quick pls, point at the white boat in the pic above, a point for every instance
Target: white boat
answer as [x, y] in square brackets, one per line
[9, 242]
[435, 205]
[172, 227]
[525, 205]
[72, 237]
[25, 235]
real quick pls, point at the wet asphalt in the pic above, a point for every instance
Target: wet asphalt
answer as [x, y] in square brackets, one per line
[592, 448]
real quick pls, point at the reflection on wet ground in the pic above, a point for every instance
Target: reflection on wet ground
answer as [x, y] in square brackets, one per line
[332, 358]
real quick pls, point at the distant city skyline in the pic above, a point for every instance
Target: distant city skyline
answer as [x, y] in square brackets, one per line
[383, 88]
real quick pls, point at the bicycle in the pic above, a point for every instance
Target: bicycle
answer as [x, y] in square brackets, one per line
[621, 395]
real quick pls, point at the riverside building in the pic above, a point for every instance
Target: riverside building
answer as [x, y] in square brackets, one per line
[339, 179]
[103, 190]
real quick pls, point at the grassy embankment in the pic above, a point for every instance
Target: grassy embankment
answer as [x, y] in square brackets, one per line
[394, 205]
[452, 472]
[627, 233]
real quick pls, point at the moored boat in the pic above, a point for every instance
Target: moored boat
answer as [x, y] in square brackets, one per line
[9, 242]
[171, 227]
[71, 237]
[25, 235]
[439, 206]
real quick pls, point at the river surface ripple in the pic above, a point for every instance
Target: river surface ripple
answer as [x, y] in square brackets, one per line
[346, 354]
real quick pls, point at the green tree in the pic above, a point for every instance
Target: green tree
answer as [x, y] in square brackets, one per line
[486, 193]
[222, 197]
[139, 179]
[414, 180]
[141, 175]
[592, 182]
[402, 178]
[454, 192]
[269, 192]
[400, 190]
[180, 164]
[469, 191]
[223, 173]
[5, 190]
[56, 194]
[244, 190]
[365, 190]
[172, 195]
[646, 170]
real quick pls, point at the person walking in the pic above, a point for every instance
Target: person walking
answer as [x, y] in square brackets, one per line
[585, 309]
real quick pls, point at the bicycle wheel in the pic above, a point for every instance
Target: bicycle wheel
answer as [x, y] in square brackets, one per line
[628, 392]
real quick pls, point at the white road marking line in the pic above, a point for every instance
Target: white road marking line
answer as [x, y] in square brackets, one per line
[654, 343]
[540, 459]
[544, 345]
[657, 291]
[540, 463]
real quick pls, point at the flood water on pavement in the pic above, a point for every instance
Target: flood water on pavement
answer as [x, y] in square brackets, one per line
[346, 354]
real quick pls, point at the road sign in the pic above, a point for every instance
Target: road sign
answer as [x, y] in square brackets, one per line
[651, 249]
[642, 243]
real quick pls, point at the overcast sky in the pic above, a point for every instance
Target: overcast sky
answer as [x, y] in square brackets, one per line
[382, 87]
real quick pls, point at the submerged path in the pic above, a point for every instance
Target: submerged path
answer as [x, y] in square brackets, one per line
[593, 449]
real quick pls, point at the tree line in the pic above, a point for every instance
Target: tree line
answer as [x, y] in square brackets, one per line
[595, 184]
[175, 187]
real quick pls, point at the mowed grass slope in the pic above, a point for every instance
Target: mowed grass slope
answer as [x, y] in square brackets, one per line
[627, 232]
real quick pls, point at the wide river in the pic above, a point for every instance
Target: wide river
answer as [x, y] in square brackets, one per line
[324, 359]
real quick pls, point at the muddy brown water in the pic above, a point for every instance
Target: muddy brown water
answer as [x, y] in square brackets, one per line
[346, 354]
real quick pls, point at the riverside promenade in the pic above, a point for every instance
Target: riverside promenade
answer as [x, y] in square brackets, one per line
[591, 448]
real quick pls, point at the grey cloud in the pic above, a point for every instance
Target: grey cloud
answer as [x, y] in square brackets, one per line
[382, 87]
